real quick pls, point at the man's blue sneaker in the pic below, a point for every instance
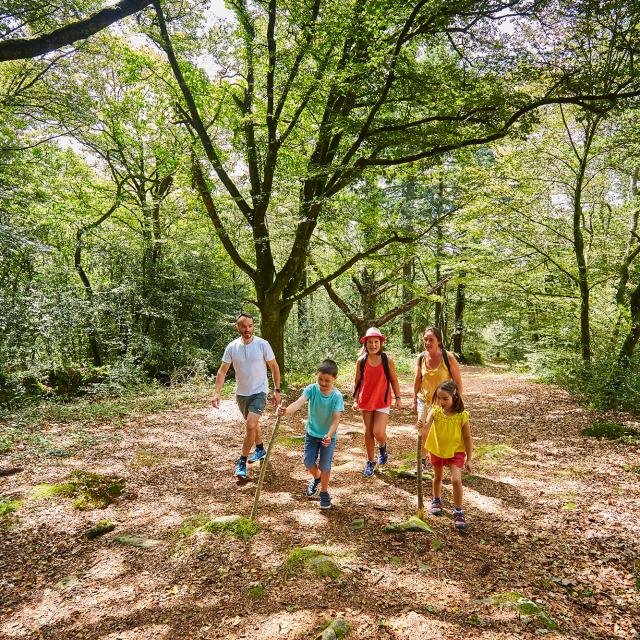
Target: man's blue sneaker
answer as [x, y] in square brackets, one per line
[314, 483]
[258, 454]
[383, 455]
[369, 469]
[241, 469]
[325, 500]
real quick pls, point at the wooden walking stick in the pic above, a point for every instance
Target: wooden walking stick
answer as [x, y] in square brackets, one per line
[419, 474]
[263, 468]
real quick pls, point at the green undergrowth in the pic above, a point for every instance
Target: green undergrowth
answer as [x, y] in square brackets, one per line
[234, 525]
[524, 607]
[405, 471]
[492, 451]
[8, 506]
[26, 426]
[290, 441]
[256, 592]
[611, 431]
[89, 490]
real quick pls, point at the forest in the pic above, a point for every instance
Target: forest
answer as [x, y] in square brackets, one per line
[327, 167]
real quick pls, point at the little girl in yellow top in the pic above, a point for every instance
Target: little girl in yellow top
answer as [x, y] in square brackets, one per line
[448, 438]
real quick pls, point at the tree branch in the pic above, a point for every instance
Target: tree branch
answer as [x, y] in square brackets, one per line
[347, 265]
[20, 48]
[212, 212]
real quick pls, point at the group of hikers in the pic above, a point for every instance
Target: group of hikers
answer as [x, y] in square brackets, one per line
[437, 400]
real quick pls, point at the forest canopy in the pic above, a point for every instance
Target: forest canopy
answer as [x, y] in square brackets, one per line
[327, 166]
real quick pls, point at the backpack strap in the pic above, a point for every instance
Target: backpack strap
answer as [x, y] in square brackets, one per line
[445, 357]
[387, 374]
[362, 363]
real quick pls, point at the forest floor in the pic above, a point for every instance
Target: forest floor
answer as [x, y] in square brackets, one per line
[553, 536]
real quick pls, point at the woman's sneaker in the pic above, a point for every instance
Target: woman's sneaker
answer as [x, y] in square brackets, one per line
[436, 506]
[314, 483]
[325, 500]
[369, 469]
[383, 455]
[459, 521]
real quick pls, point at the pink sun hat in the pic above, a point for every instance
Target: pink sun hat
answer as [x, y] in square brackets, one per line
[372, 332]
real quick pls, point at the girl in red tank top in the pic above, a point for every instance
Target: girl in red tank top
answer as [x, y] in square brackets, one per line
[374, 382]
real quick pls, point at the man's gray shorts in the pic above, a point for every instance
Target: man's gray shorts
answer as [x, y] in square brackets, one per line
[252, 404]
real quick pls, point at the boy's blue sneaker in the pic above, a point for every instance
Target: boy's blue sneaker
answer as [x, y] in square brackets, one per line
[436, 506]
[241, 469]
[383, 455]
[458, 520]
[369, 469]
[258, 454]
[314, 483]
[325, 500]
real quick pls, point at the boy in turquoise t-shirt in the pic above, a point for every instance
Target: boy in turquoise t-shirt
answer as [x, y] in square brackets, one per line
[323, 416]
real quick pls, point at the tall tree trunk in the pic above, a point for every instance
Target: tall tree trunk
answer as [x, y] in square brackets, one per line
[407, 328]
[633, 335]
[459, 317]
[578, 242]
[303, 310]
[273, 321]
[92, 335]
[631, 252]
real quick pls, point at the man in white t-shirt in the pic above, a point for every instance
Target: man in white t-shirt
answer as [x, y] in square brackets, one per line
[249, 356]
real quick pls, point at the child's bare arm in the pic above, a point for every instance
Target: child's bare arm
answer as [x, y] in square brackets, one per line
[468, 446]
[335, 421]
[425, 425]
[293, 407]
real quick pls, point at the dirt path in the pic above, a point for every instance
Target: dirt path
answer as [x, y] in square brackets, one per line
[553, 517]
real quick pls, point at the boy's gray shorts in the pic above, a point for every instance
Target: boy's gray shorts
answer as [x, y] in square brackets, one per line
[252, 404]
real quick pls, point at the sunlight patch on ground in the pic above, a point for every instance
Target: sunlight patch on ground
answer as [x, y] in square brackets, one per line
[146, 632]
[281, 624]
[282, 497]
[484, 503]
[308, 518]
[109, 564]
[413, 626]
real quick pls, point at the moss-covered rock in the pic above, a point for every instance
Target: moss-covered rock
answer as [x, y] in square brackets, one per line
[8, 506]
[99, 529]
[336, 630]
[412, 524]
[95, 491]
[89, 490]
[312, 560]
[45, 491]
[233, 525]
[141, 542]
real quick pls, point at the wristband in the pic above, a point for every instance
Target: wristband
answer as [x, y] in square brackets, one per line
[277, 391]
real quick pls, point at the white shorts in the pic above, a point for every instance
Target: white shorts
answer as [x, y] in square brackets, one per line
[384, 410]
